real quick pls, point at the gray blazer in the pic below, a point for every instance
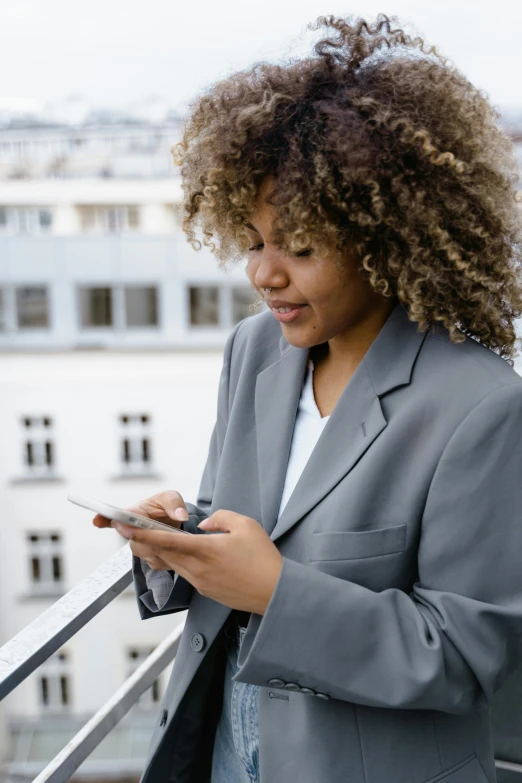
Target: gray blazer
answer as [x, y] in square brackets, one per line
[400, 598]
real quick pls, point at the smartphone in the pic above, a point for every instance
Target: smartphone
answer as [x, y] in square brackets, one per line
[120, 515]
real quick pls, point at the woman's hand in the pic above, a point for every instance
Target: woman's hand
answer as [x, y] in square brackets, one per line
[167, 507]
[239, 568]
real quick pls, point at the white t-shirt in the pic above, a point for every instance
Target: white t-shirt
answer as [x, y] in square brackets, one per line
[308, 427]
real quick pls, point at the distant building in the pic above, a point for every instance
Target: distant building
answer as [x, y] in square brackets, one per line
[111, 338]
[93, 263]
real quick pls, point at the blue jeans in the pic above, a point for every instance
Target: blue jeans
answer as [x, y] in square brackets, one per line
[235, 757]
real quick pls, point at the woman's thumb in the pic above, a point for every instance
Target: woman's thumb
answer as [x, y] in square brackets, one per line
[181, 514]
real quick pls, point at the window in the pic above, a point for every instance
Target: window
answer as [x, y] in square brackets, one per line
[135, 451]
[54, 691]
[38, 446]
[45, 219]
[110, 219]
[119, 307]
[222, 306]
[136, 656]
[31, 307]
[45, 558]
[95, 307]
[141, 306]
[2, 311]
[204, 306]
[242, 300]
[133, 217]
[25, 220]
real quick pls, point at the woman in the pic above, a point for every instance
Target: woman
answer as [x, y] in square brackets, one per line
[360, 599]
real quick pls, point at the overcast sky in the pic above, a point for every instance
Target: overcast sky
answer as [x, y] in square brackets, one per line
[117, 51]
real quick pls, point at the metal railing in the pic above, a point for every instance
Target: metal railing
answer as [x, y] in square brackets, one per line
[26, 651]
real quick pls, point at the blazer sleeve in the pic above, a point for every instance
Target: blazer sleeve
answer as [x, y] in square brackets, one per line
[164, 592]
[450, 643]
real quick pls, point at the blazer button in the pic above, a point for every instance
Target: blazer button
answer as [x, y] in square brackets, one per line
[276, 683]
[308, 691]
[197, 642]
[322, 696]
[292, 686]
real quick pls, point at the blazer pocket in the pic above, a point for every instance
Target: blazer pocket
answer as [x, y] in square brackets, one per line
[467, 771]
[355, 544]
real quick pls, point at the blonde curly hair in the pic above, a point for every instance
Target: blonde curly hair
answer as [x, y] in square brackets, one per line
[375, 143]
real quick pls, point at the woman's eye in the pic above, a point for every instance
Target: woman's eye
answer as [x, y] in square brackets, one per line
[300, 254]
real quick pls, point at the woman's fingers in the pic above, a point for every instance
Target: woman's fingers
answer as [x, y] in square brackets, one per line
[167, 507]
[100, 521]
[143, 551]
[156, 563]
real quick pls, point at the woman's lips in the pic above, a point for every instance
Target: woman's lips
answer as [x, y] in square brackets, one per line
[286, 318]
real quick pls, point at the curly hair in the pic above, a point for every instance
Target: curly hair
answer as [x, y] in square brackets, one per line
[377, 144]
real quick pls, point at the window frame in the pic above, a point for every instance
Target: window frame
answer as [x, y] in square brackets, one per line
[47, 551]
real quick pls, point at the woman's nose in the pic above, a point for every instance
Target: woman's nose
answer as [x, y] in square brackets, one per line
[269, 272]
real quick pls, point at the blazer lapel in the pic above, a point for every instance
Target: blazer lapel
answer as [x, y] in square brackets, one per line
[355, 422]
[278, 390]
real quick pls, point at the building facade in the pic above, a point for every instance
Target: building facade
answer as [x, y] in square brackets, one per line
[111, 336]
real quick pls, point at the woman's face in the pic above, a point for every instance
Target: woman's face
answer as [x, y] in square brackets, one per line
[338, 304]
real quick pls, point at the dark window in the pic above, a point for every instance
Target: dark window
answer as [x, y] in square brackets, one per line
[242, 301]
[44, 690]
[35, 569]
[57, 569]
[45, 560]
[141, 306]
[126, 451]
[95, 307]
[29, 453]
[204, 306]
[45, 218]
[145, 444]
[133, 217]
[31, 307]
[64, 690]
[48, 453]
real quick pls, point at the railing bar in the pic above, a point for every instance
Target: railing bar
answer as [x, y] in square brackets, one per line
[60, 769]
[26, 651]
[510, 766]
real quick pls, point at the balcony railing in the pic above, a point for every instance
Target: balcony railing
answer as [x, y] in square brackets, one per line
[26, 651]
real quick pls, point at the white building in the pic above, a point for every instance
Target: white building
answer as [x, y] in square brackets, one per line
[111, 337]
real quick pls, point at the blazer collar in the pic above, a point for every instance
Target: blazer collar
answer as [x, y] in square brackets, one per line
[355, 422]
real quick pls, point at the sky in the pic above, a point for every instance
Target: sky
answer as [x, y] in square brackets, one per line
[118, 51]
